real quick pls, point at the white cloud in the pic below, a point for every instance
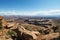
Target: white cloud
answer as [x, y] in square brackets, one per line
[31, 13]
[47, 13]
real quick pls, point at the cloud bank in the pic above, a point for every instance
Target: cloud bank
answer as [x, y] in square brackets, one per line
[31, 13]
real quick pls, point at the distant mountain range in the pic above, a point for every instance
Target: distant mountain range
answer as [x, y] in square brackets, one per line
[19, 16]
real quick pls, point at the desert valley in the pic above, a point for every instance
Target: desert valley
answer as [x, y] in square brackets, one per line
[29, 28]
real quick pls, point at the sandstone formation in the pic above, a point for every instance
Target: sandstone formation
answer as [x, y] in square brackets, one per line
[23, 31]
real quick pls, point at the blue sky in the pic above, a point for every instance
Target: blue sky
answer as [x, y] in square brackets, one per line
[30, 7]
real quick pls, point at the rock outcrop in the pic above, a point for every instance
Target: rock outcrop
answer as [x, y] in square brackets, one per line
[48, 36]
[4, 22]
[26, 34]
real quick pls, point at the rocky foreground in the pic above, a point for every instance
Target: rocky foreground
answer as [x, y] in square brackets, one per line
[16, 31]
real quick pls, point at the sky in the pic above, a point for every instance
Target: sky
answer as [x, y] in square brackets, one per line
[30, 7]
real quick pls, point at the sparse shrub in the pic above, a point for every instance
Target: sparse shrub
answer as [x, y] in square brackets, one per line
[28, 28]
[41, 31]
[36, 23]
[58, 38]
[55, 28]
[26, 21]
[1, 25]
[46, 32]
[12, 33]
